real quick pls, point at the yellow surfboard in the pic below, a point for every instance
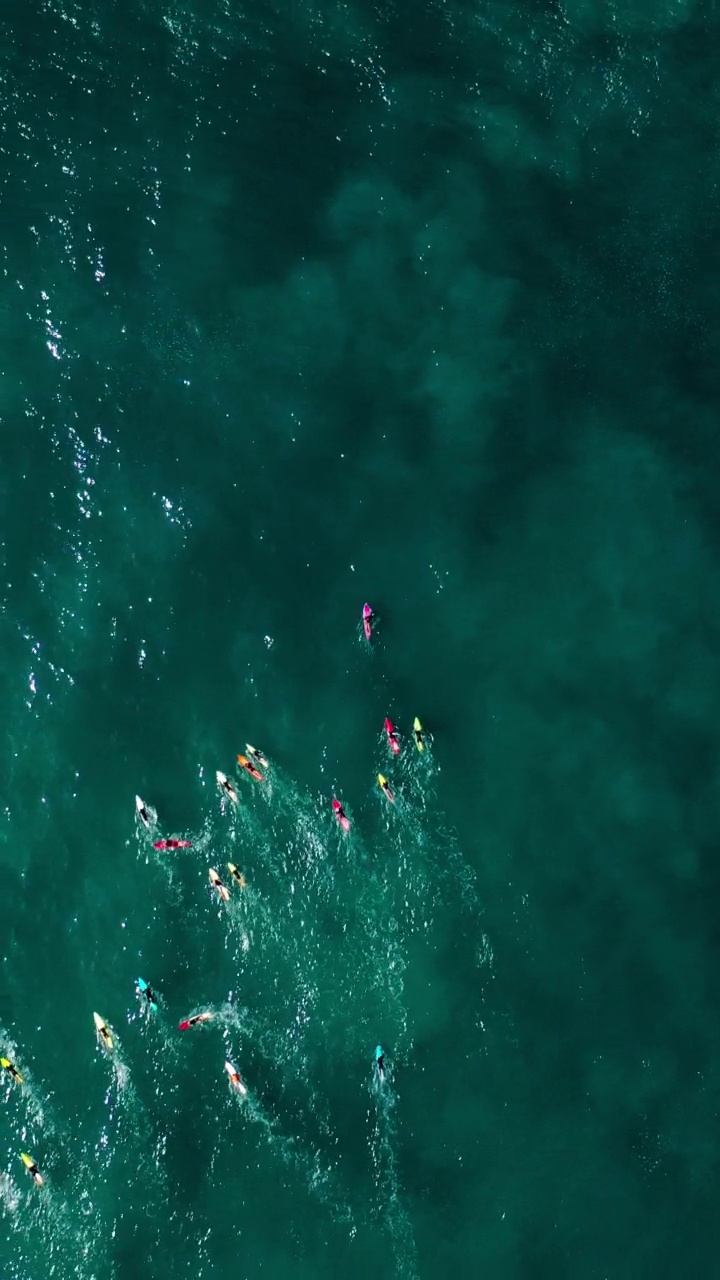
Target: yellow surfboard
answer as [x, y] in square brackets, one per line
[32, 1168]
[104, 1032]
[11, 1069]
[384, 786]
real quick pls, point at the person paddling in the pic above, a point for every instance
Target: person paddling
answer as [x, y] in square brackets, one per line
[380, 1063]
[32, 1169]
[146, 993]
[11, 1069]
[249, 767]
[384, 786]
[235, 1080]
[392, 736]
[341, 815]
[186, 1023]
[222, 891]
[227, 787]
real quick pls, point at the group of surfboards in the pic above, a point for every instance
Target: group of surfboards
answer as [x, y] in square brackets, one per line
[107, 1040]
[27, 1160]
[251, 763]
[418, 734]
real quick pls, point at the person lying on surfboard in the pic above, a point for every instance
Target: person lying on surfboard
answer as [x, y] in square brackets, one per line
[341, 815]
[186, 1023]
[235, 1080]
[257, 755]
[143, 813]
[368, 617]
[172, 844]
[11, 1069]
[384, 786]
[380, 1063]
[392, 737]
[146, 993]
[249, 767]
[103, 1031]
[32, 1169]
[222, 890]
[226, 785]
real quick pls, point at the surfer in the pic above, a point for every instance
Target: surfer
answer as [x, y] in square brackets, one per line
[103, 1031]
[368, 617]
[257, 755]
[226, 785]
[223, 893]
[249, 767]
[32, 1169]
[418, 735]
[206, 1016]
[172, 844]
[380, 1063]
[11, 1069]
[392, 737]
[146, 992]
[237, 876]
[142, 812]
[341, 815]
[384, 786]
[235, 1080]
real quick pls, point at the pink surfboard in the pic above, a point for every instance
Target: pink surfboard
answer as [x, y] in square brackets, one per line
[340, 815]
[392, 736]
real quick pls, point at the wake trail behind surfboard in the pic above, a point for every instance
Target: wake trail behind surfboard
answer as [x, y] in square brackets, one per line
[382, 1143]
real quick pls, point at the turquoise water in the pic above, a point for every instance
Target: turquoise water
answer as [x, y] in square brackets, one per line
[304, 306]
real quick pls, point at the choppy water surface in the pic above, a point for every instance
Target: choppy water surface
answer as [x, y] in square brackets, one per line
[305, 306]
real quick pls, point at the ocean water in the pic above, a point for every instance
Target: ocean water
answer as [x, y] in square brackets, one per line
[305, 305]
